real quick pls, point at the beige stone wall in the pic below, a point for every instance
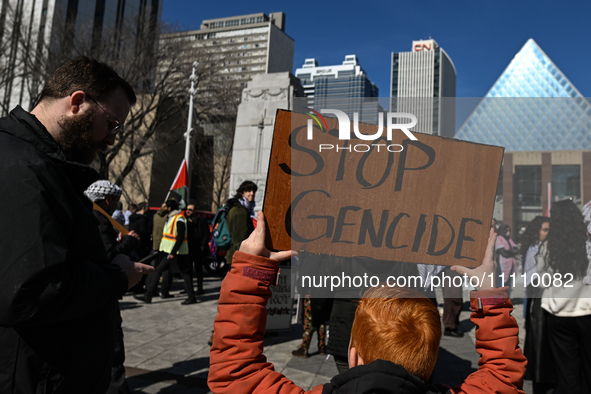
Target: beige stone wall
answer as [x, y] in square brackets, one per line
[136, 185]
[558, 158]
[526, 159]
[567, 157]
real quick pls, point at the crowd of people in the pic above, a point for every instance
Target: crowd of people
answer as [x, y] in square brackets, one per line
[71, 252]
[557, 316]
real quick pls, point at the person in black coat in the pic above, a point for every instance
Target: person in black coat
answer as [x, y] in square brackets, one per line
[58, 288]
[199, 236]
[141, 225]
[106, 195]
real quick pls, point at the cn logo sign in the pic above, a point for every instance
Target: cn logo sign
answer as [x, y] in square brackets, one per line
[345, 125]
[422, 47]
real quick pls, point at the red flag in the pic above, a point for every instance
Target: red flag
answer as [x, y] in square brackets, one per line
[180, 187]
[181, 177]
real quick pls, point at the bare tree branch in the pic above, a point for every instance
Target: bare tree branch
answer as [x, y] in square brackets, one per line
[159, 70]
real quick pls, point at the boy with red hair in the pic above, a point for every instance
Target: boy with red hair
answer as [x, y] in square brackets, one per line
[394, 340]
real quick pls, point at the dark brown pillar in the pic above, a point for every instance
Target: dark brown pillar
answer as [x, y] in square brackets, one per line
[586, 175]
[508, 189]
[546, 178]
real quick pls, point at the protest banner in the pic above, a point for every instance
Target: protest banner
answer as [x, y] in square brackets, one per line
[428, 200]
[280, 305]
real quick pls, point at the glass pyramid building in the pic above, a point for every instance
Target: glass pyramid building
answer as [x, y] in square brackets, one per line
[531, 107]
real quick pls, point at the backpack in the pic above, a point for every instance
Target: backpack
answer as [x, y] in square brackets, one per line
[221, 233]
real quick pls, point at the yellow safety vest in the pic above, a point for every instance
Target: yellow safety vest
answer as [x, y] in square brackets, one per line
[170, 233]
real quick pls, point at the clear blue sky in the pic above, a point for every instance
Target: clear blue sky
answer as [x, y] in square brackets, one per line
[480, 36]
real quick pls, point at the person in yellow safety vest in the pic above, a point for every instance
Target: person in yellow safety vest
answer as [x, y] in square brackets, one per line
[174, 245]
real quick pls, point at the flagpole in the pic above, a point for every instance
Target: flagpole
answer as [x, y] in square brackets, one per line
[188, 134]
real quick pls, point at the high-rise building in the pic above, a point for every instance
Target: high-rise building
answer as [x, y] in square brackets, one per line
[36, 36]
[423, 82]
[230, 52]
[345, 87]
[544, 124]
[241, 46]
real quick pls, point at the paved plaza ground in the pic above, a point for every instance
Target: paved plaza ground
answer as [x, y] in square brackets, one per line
[167, 350]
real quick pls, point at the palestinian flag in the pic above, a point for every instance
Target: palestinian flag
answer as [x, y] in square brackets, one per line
[180, 187]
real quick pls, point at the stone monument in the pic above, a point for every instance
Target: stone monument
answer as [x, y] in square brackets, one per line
[255, 121]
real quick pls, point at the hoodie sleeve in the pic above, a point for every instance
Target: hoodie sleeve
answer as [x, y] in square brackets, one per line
[237, 364]
[502, 364]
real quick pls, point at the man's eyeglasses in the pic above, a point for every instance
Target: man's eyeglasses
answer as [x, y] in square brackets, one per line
[118, 125]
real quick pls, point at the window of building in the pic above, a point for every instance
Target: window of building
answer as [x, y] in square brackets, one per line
[566, 183]
[498, 208]
[527, 187]
[247, 21]
[500, 184]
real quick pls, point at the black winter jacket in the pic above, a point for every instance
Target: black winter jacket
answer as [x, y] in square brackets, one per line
[143, 227]
[58, 292]
[198, 236]
[109, 236]
[380, 377]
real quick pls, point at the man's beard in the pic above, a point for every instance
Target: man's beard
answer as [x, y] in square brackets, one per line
[75, 138]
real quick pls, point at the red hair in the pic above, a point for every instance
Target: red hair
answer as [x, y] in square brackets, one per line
[398, 325]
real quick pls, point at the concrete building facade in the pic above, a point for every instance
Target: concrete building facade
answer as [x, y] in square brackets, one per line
[423, 82]
[255, 123]
[345, 87]
[234, 51]
[242, 46]
[37, 35]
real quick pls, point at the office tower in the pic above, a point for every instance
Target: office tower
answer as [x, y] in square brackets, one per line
[345, 87]
[423, 82]
[37, 36]
[241, 46]
[230, 52]
[544, 124]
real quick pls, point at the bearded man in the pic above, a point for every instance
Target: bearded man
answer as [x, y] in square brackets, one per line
[58, 288]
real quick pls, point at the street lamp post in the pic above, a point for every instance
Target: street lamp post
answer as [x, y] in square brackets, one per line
[189, 133]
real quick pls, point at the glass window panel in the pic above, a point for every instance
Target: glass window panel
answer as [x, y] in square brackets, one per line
[527, 187]
[566, 183]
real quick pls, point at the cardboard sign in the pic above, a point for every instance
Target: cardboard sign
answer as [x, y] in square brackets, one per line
[280, 305]
[428, 201]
